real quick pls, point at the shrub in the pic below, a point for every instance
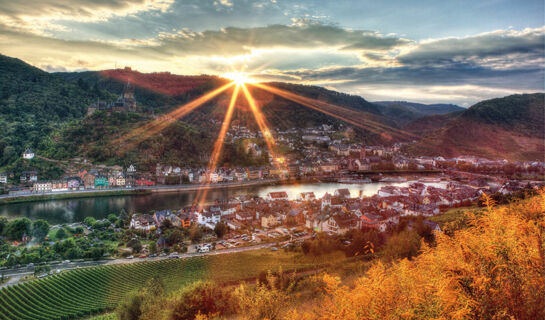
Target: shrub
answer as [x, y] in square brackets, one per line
[203, 298]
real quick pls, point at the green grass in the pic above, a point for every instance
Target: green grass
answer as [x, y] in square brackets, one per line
[452, 214]
[83, 292]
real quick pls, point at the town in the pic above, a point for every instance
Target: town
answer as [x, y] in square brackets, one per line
[317, 152]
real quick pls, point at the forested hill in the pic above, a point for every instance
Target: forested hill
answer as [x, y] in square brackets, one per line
[404, 111]
[33, 103]
[512, 127]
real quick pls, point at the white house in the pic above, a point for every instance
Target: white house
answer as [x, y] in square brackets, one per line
[3, 178]
[28, 154]
[208, 218]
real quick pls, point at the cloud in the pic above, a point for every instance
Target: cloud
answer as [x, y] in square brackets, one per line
[42, 14]
[237, 41]
[497, 49]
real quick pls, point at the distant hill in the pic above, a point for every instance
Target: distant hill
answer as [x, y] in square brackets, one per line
[511, 127]
[404, 111]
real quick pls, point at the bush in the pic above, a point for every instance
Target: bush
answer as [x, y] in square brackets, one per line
[17, 228]
[203, 298]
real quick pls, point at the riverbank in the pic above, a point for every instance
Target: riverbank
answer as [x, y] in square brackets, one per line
[76, 194]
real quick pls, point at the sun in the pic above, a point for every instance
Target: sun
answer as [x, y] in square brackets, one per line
[239, 77]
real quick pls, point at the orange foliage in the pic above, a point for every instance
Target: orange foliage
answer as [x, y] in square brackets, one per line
[495, 269]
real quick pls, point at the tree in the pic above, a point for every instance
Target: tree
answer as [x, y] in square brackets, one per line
[135, 245]
[203, 298]
[89, 221]
[153, 247]
[40, 228]
[112, 218]
[174, 236]
[15, 229]
[3, 224]
[195, 233]
[220, 229]
[123, 215]
[61, 234]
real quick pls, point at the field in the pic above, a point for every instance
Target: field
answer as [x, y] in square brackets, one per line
[83, 292]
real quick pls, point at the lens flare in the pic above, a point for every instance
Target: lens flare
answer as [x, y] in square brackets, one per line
[353, 117]
[218, 146]
[144, 132]
[260, 120]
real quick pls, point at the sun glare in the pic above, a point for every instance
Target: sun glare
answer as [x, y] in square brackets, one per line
[239, 77]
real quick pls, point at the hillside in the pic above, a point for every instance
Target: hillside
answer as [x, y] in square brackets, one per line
[34, 103]
[504, 128]
[406, 111]
[47, 112]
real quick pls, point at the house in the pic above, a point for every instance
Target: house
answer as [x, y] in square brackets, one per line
[3, 177]
[111, 181]
[101, 182]
[273, 196]
[28, 154]
[268, 221]
[326, 200]
[120, 181]
[142, 222]
[340, 223]
[73, 183]
[245, 215]
[160, 216]
[207, 218]
[42, 186]
[342, 193]
[29, 176]
[307, 196]
[234, 225]
[329, 167]
[144, 182]
[89, 181]
[131, 169]
[57, 186]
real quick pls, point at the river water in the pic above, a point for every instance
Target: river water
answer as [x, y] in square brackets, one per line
[75, 210]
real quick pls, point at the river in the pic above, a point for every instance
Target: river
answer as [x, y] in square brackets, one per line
[75, 210]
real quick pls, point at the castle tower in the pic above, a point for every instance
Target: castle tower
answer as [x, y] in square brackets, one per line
[128, 97]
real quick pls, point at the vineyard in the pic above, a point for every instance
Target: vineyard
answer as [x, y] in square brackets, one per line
[83, 292]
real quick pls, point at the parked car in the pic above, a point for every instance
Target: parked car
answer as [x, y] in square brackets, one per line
[204, 249]
[274, 249]
[130, 257]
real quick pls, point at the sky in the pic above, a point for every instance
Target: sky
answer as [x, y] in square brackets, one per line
[455, 51]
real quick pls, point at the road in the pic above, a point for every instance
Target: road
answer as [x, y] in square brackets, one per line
[15, 275]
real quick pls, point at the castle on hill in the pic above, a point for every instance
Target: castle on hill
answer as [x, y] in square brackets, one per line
[125, 103]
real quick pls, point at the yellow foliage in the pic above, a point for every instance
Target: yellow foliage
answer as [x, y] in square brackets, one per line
[494, 269]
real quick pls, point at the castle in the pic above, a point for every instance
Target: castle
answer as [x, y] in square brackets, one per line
[126, 102]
